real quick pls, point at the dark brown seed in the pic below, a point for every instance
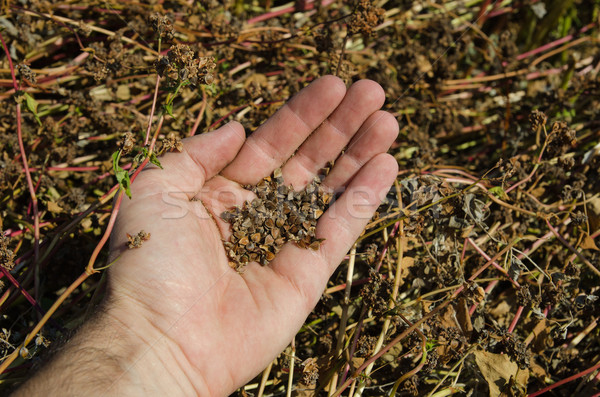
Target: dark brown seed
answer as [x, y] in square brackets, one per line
[315, 245]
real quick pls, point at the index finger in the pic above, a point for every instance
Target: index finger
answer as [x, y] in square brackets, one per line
[278, 138]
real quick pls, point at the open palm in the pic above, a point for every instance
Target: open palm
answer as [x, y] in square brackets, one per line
[219, 328]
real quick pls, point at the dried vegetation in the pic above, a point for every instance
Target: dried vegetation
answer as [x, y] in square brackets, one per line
[481, 272]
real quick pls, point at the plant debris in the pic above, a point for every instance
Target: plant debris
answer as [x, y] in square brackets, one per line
[277, 215]
[137, 240]
[496, 212]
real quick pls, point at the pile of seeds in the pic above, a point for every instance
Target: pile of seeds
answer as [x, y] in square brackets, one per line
[277, 215]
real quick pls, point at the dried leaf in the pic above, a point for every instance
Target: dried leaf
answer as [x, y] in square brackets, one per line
[497, 369]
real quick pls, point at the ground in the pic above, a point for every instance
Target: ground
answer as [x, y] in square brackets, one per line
[480, 273]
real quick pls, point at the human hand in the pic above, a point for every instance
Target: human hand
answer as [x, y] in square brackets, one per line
[191, 323]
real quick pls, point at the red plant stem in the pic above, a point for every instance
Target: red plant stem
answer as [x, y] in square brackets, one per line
[487, 291]
[216, 123]
[487, 257]
[480, 20]
[89, 270]
[72, 169]
[152, 110]
[111, 223]
[554, 43]
[309, 5]
[567, 380]
[515, 320]
[22, 290]
[15, 233]
[113, 216]
[359, 325]
[10, 64]
[342, 286]
[200, 114]
[36, 219]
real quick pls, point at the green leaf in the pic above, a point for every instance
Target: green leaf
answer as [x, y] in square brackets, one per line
[32, 105]
[121, 174]
[498, 192]
[169, 109]
[153, 159]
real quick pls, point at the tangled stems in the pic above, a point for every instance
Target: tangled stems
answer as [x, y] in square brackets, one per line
[90, 269]
[36, 219]
[417, 323]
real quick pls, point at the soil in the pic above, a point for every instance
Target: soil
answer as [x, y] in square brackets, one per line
[479, 275]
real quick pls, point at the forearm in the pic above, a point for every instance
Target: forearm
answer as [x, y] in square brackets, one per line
[109, 356]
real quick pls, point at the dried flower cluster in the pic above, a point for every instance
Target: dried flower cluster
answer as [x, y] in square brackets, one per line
[162, 25]
[25, 73]
[365, 18]
[127, 143]
[180, 64]
[537, 119]
[277, 215]
[7, 256]
[171, 143]
[137, 240]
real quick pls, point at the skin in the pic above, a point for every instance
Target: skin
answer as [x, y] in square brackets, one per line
[178, 320]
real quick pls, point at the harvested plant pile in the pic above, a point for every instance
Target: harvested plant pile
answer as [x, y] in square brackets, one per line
[479, 274]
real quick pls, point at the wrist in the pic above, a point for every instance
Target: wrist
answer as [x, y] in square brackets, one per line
[118, 352]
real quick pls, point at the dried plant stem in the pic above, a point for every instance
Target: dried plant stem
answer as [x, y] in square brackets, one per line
[8, 360]
[572, 249]
[576, 340]
[535, 167]
[34, 201]
[90, 269]
[463, 358]
[397, 278]
[152, 110]
[566, 380]
[410, 329]
[92, 27]
[264, 379]
[344, 319]
[419, 366]
[290, 385]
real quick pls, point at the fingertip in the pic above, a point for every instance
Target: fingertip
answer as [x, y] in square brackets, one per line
[373, 92]
[236, 129]
[390, 166]
[384, 127]
[334, 83]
